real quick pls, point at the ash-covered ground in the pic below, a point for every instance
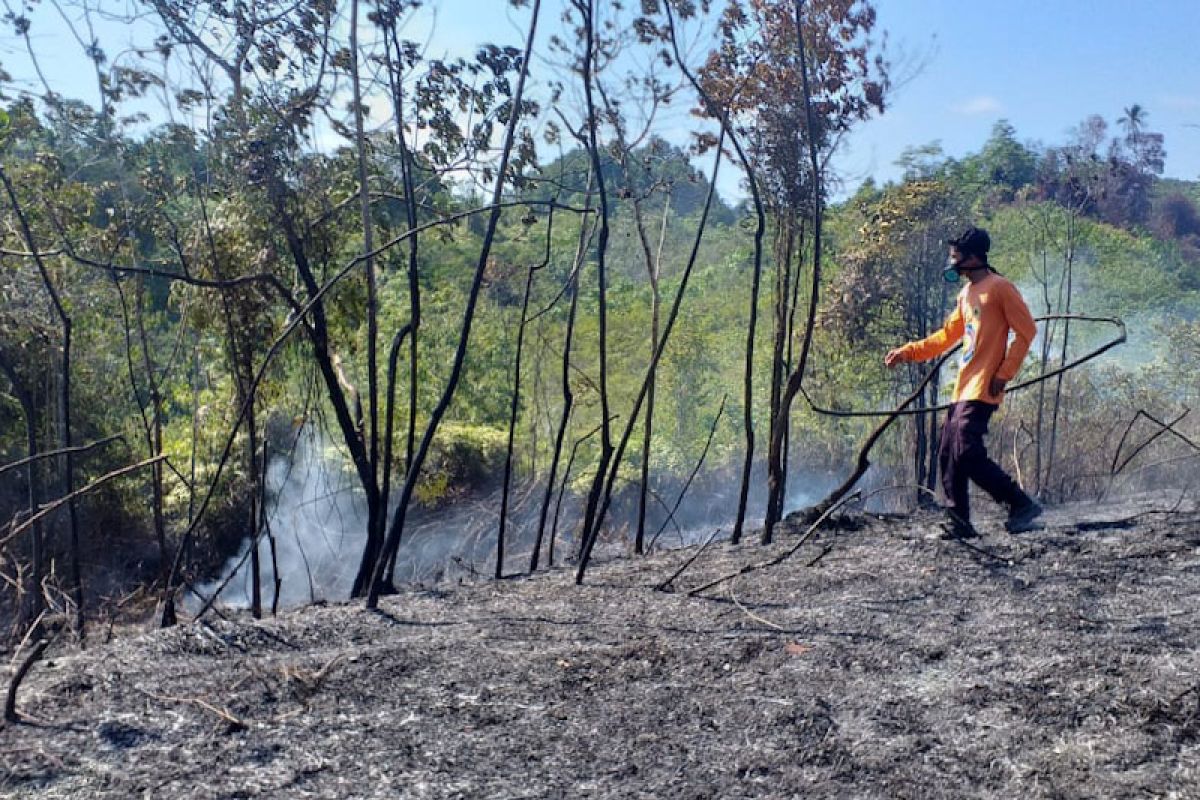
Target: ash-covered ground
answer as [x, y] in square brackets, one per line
[875, 662]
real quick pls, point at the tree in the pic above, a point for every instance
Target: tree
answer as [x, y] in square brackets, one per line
[1005, 162]
[510, 137]
[795, 77]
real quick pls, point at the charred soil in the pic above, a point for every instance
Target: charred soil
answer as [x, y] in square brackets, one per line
[876, 662]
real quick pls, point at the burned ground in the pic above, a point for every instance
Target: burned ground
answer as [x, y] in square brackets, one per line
[1061, 663]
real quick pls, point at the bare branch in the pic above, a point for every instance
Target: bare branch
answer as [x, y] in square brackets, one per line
[83, 448]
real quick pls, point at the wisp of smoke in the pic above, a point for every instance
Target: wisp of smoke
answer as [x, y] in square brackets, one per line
[316, 527]
[316, 531]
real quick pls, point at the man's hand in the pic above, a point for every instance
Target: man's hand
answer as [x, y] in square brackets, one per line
[996, 386]
[892, 358]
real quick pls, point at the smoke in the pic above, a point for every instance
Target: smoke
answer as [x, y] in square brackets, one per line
[314, 537]
[316, 528]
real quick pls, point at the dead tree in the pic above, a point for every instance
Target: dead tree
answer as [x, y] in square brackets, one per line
[591, 532]
[714, 111]
[586, 229]
[515, 405]
[397, 524]
[587, 12]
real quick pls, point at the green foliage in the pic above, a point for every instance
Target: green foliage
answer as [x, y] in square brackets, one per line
[152, 236]
[463, 458]
[1004, 162]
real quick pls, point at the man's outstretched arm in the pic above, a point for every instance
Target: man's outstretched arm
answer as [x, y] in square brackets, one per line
[931, 346]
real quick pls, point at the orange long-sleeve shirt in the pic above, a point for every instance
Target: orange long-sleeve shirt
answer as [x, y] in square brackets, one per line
[983, 316]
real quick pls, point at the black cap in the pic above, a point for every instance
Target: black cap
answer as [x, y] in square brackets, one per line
[973, 241]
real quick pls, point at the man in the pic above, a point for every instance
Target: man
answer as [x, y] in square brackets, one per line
[987, 309]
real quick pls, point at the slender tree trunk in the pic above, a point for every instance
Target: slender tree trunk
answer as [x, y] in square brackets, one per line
[1039, 423]
[784, 250]
[395, 64]
[1058, 382]
[653, 267]
[592, 533]
[397, 526]
[931, 420]
[253, 511]
[751, 332]
[775, 471]
[567, 396]
[389, 422]
[515, 406]
[364, 191]
[793, 304]
[195, 381]
[588, 9]
[152, 425]
[318, 333]
[394, 59]
[376, 514]
[29, 410]
[759, 231]
[155, 435]
[64, 400]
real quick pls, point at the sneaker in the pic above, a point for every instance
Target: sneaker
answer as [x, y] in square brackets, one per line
[1024, 518]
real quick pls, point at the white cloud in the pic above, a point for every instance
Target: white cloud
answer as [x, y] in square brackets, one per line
[984, 104]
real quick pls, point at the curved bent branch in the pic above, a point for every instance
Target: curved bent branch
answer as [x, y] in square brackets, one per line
[864, 461]
[1120, 339]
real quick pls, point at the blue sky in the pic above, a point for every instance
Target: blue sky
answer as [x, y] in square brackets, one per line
[1043, 65]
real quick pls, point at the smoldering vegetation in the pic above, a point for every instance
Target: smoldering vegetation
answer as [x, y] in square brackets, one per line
[877, 662]
[316, 528]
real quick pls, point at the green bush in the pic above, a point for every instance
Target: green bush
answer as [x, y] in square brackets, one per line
[462, 459]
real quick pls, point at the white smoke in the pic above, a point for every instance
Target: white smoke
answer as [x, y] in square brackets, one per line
[316, 529]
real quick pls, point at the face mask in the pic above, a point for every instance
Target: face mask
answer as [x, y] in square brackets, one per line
[950, 274]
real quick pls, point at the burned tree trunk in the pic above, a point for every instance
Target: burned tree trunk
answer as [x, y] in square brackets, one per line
[795, 380]
[377, 568]
[568, 398]
[756, 281]
[515, 407]
[64, 399]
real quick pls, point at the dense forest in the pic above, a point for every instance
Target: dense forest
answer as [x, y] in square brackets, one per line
[292, 260]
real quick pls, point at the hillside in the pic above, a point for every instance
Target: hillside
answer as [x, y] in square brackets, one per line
[876, 662]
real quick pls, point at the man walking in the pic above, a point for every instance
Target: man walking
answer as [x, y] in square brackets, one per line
[988, 308]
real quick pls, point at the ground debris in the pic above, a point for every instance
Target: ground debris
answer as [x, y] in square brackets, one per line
[1062, 663]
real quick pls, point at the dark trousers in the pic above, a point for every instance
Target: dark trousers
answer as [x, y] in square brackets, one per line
[963, 457]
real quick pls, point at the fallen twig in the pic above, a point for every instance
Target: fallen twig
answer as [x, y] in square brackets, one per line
[781, 557]
[665, 585]
[817, 558]
[223, 714]
[751, 614]
[10, 700]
